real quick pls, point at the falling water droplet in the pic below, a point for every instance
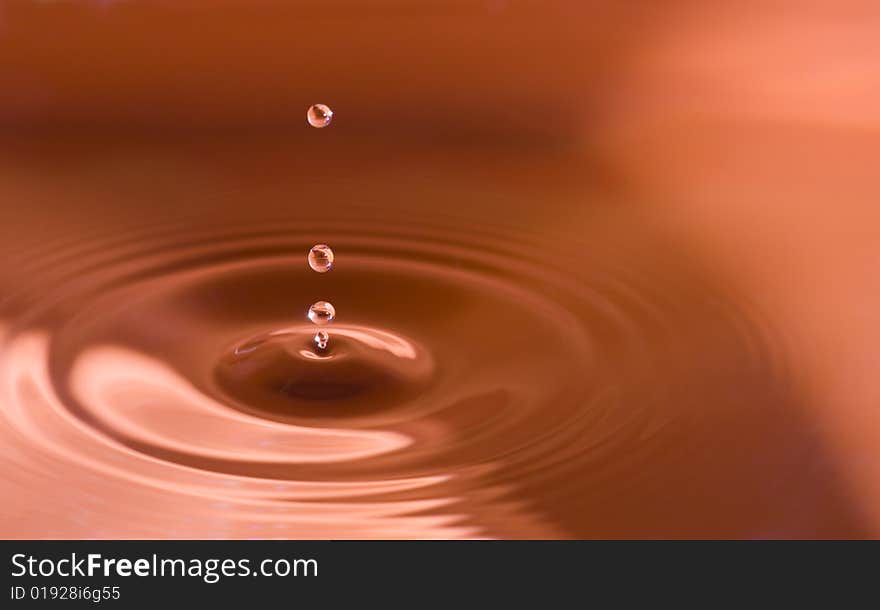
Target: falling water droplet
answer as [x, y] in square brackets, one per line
[322, 313]
[321, 258]
[322, 337]
[319, 115]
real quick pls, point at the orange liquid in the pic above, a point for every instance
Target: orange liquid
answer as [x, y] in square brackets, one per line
[601, 271]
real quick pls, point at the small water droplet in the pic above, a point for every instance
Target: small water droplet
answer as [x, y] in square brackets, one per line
[319, 115]
[322, 337]
[322, 313]
[321, 258]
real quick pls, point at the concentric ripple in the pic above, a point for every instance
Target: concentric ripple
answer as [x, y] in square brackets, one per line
[165, 383]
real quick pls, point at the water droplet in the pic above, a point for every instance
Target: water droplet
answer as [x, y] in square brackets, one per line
[322, 337]
[321, 258]
[319, 115]
[322, 313]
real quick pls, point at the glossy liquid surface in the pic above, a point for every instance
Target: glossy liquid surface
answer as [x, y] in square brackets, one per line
[637, 316]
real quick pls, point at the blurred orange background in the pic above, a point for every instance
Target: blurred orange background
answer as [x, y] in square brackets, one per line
[748, 132]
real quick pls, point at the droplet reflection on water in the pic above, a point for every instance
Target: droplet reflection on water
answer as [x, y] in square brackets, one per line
[321, 339]
[277, 375]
